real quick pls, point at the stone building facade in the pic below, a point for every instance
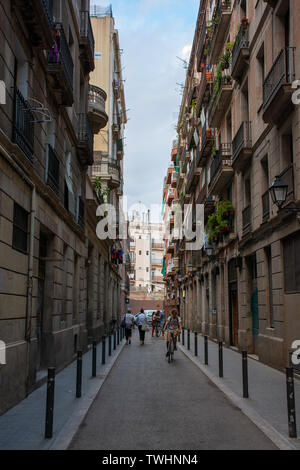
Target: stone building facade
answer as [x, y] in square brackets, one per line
[56, 294]
[239, 129]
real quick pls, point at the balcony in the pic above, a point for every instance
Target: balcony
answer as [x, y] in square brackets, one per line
[185, 161]
[209, 207]
[221, 171]
[240, 54]
[242, 147]
[109, 171]
[85, 140]
[170, 196]
[220, 101]
[222, 17]
[204, 90]
[87, 42]
[287, 177]
[191, 133]
[247, 220]
[207, 143]
[97, 115]
[23, 127]
[38, 17]
[266, 206]
[52, 178]
[60, 68]
[278, 87]
[193, 177]
[174, 179]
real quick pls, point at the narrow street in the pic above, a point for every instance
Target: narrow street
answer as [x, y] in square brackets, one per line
[147, 404]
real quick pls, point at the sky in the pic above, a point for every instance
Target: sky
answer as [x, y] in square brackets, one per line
[152, 33]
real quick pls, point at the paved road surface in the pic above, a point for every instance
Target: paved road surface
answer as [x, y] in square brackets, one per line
[148, 404]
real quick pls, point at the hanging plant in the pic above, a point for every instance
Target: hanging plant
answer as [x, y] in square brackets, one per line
[214, 151]
[225, 61]
[229, 46]
[219, 223]
[244, 23]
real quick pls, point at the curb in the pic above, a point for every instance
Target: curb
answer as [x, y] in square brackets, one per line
[65, 436]
[276, 437]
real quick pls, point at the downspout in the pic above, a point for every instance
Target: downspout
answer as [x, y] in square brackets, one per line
[25, 178]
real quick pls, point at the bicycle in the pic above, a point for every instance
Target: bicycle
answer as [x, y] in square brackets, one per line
[171, 348]
[158, 331]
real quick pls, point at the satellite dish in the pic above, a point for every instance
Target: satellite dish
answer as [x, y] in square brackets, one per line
[40, 112]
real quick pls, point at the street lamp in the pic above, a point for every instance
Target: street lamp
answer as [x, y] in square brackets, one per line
[209, 249]
[278, 192]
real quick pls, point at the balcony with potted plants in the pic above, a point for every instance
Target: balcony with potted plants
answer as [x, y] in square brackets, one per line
[241, 51]
[242, 147]
[278, 87]
[221, 222]
[219, 27]
[204, 89]
[97, 114]
[222, 92]
[221, 171]
[206, 145]
[38, 17]
[60, 68]
[87, 41]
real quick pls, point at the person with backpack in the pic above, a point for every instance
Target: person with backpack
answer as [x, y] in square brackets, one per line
[128, 322]
[141, 322]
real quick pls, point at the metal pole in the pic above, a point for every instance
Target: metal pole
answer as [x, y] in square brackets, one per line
[291, 402]
[50, 403]
[221, 368]
[103, 349]
[115, 340]
[79, 375]
[109, 345]
[189, 340]
[206, 350]
[94, 373]
[182, 336]
[196, 344]
[118, 336]
[245, 374]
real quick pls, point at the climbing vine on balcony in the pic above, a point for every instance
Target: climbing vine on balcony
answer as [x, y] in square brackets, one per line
[219, 222]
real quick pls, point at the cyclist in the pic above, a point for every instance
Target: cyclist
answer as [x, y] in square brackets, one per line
[156, 319]
[173, 324]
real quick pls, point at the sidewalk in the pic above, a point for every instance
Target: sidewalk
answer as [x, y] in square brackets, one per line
[23, 427]
[267, 405]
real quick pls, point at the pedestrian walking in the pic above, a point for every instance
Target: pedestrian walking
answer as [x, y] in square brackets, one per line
[128, 321]
[141, 322]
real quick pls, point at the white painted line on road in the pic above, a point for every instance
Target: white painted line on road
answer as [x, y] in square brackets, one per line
[276, 437]
[64, 438]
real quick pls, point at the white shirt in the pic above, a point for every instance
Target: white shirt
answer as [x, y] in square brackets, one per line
[140, 319]
[129, 319]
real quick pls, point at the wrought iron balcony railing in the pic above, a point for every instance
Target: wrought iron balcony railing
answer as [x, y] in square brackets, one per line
[243, 139]
[60, 54]
[23, 127]
[85, 134]
[52, 170]
[287, 177]
[87, 39]
[222, 158]
[48, 10]
[247, 219]
[282, 72]
[240, 52]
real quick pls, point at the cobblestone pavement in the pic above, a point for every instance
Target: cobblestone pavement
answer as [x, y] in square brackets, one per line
[149, 404]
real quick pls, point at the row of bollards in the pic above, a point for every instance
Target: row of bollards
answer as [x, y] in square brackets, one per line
[289, 377]
[113, 341]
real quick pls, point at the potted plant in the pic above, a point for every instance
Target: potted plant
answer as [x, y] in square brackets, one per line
[244, 23]
[209, 132]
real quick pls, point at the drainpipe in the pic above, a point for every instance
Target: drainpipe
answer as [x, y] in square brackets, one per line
[25, 178]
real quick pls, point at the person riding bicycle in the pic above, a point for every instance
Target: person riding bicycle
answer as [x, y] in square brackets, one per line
[156, 320]
[173, 325]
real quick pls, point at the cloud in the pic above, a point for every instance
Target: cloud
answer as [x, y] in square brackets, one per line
[186, 51]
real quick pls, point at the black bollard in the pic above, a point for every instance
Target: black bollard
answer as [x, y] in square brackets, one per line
[94, 368]
[109, 345]
[206, 350]
[182, 336]
[79, 375]
[118, 337]
[221, 368]
[103, 349]
[245, 374]
[291, 402]
[115, 340]
[50, 403]
[196, 344]
[189, 340]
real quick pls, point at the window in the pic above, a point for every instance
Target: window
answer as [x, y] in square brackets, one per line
[261, 72]
[20, 229]
[140, 253]
[291, 248]
[52, 177]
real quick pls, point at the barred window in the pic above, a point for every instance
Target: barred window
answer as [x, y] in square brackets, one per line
[291, 248]
[20, 229]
